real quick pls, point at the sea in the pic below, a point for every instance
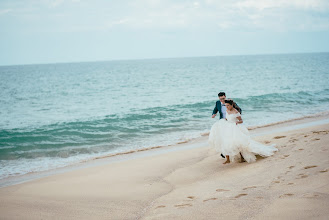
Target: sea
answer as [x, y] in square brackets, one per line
[56, 115]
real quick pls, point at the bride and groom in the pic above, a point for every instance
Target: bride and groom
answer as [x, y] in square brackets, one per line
[230, 137]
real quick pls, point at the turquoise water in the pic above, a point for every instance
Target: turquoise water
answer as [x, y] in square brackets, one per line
[54, 115]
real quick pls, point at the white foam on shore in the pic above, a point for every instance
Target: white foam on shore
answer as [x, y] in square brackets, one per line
[288, 125]
[293, 127]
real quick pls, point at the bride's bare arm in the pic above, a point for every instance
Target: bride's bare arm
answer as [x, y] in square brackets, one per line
[240, 121]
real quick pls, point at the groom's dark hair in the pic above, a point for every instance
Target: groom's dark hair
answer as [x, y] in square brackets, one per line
[221, 94]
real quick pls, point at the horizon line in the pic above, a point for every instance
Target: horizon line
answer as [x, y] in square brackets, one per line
[159, 58]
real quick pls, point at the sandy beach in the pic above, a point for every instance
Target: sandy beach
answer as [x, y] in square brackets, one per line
[190, 183]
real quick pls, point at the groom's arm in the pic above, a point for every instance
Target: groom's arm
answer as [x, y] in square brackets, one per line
[214, 112]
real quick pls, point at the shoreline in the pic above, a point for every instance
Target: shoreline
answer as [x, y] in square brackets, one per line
[261, 130]
[188, 182]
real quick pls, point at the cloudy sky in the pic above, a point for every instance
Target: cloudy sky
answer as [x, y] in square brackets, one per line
[50, 31]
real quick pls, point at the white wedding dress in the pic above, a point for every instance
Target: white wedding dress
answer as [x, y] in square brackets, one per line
[231, 139]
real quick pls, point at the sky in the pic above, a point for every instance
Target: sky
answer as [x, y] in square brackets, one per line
[54, 31]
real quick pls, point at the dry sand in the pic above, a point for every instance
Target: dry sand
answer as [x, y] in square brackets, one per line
[187, 184]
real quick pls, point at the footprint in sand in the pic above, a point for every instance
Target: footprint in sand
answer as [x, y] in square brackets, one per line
[293, 140]
[222, 190]
[324, 171]
[302, 176]
[315, 139]
[286, 195]
[319, 132]
[250, 187]
[209, 199]
[309, 167]
[183, 205]
[240, 195]
[310, 195]
[291, 167]
[300, 149]
[190, 197]
[160, 206]
[278, 137]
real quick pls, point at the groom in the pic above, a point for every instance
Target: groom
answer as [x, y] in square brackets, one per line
[221, 108]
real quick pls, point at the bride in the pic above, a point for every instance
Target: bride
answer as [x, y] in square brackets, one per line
[232, 139]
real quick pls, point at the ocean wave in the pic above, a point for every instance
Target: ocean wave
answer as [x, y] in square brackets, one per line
[101, 134]
[294, 99]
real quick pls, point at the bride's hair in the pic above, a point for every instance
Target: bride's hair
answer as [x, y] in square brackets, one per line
[231, 102]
